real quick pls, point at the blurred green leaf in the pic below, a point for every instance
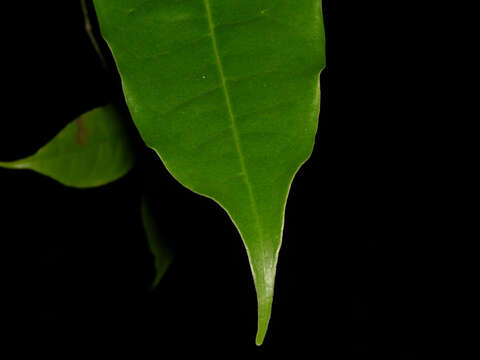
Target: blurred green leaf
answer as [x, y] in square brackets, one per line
[93, 150]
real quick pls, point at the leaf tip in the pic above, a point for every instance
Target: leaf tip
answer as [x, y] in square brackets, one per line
[18, 164]
[259, 339]
[262, 330]
[264, 314]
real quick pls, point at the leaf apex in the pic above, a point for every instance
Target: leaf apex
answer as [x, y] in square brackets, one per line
[264, 314]
[262, 330]
[17, 164]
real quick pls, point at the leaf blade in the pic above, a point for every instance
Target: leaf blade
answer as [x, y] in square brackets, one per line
[239, 109]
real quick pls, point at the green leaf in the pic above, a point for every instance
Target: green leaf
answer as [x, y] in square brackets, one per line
[162, 253]
[93, 150]
[227, 93]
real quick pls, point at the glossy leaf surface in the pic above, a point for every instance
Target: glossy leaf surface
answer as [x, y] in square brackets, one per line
[227, 93]
[92, 150]
[162, 253]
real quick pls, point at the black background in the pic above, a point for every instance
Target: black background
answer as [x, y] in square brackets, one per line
[348, 283]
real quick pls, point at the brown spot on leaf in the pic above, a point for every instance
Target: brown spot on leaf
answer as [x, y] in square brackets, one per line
[82, 133]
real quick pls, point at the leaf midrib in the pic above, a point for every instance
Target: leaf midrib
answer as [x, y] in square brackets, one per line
[234, 128]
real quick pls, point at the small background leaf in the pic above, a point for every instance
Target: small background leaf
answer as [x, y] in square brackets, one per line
[93, 150]
[162, 253]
